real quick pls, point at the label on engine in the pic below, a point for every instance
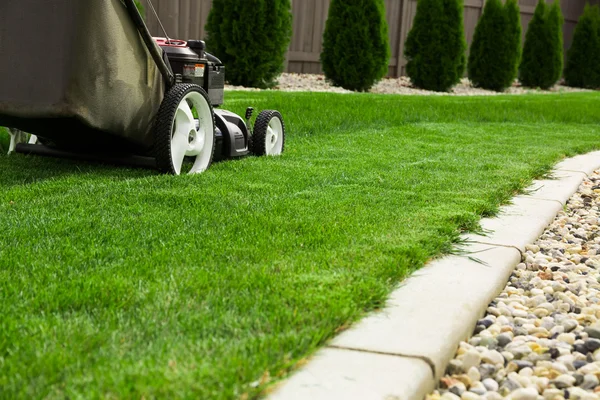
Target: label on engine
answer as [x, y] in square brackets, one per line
[193, 71]
[199, 70]
[188, 70]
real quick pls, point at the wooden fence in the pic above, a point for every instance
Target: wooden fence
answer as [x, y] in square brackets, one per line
[185, 19]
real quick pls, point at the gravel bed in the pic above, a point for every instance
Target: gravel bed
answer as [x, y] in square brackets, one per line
[540, 338]
[290, 82]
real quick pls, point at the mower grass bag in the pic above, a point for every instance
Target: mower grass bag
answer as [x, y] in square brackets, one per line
[77, 74]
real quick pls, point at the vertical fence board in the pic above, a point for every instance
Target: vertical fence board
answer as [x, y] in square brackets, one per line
[186, 19]
[195, 20]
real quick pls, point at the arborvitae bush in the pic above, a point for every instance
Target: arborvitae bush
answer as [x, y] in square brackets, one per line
[494, 51]
[513, 15]
[423, 45]
[533, 70]
[435, 46]
[356, 49]
[583, 58]
[251, 38]
[487, 67]
[541, 63]
[555, 26]
[453, 28]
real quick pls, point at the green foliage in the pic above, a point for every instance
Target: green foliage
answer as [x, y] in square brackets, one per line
[583, 58]
[4, 140]
[140, 8]
[435, 46]
[513, 14]
[555, 27]
[496, 46]
[251, 38]
[493, 55]
[541, 64]
[356, 49]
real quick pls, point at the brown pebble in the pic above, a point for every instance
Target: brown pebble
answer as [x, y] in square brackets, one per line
[545, 275]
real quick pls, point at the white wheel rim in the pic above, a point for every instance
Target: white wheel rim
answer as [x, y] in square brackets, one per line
[274, 137]
[192, 137]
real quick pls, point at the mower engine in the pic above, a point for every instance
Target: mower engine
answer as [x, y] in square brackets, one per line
[192, 64]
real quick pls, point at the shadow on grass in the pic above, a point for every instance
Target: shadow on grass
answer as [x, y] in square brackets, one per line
[23, 170]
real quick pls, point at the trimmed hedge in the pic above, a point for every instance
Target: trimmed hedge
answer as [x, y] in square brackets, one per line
[435, 46]
[251, 38]
[494, 52]
[356, 49]
[582, 68]
[541, 64]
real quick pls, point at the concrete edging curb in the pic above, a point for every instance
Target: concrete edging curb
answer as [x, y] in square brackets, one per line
[378, 358]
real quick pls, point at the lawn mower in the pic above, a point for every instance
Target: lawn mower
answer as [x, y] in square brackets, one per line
[87, 80]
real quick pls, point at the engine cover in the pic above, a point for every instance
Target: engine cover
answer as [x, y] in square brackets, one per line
[191, 64]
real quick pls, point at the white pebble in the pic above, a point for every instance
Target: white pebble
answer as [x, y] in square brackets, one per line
[519, 313]
[548, 290]
[470, 359]
[508, 356]
[541, 382]
[591, 368]
[478, 388]
[492, 357]
[564, 380]
[580, 394]
[553, 394]
[490, 384]
[566, 337]
[492, 396]
[470, 396]
[547, 306]
[524, 394]
[527, 372]
[558, 367]
[474, 374]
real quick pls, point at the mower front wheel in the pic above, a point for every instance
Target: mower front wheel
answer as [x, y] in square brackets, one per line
[178, 133]
[268, 137]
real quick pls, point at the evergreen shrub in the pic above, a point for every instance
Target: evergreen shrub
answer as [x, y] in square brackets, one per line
[582, 68]
[541, 63]
[435, 46]
[356, 48]
[251, 38]
[492, 58]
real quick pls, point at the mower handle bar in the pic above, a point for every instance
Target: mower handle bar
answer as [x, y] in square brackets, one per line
[164, 68]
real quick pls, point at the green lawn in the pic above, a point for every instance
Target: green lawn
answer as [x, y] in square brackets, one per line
[122, 283]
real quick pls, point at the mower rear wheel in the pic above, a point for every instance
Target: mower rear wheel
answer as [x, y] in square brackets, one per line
[178, 134]
[268, 137]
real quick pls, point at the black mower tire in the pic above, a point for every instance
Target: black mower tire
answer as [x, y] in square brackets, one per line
[165, 119]
[258, 141]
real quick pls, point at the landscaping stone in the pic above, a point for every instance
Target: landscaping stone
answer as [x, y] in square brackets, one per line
[293, 82]
[545, 325]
